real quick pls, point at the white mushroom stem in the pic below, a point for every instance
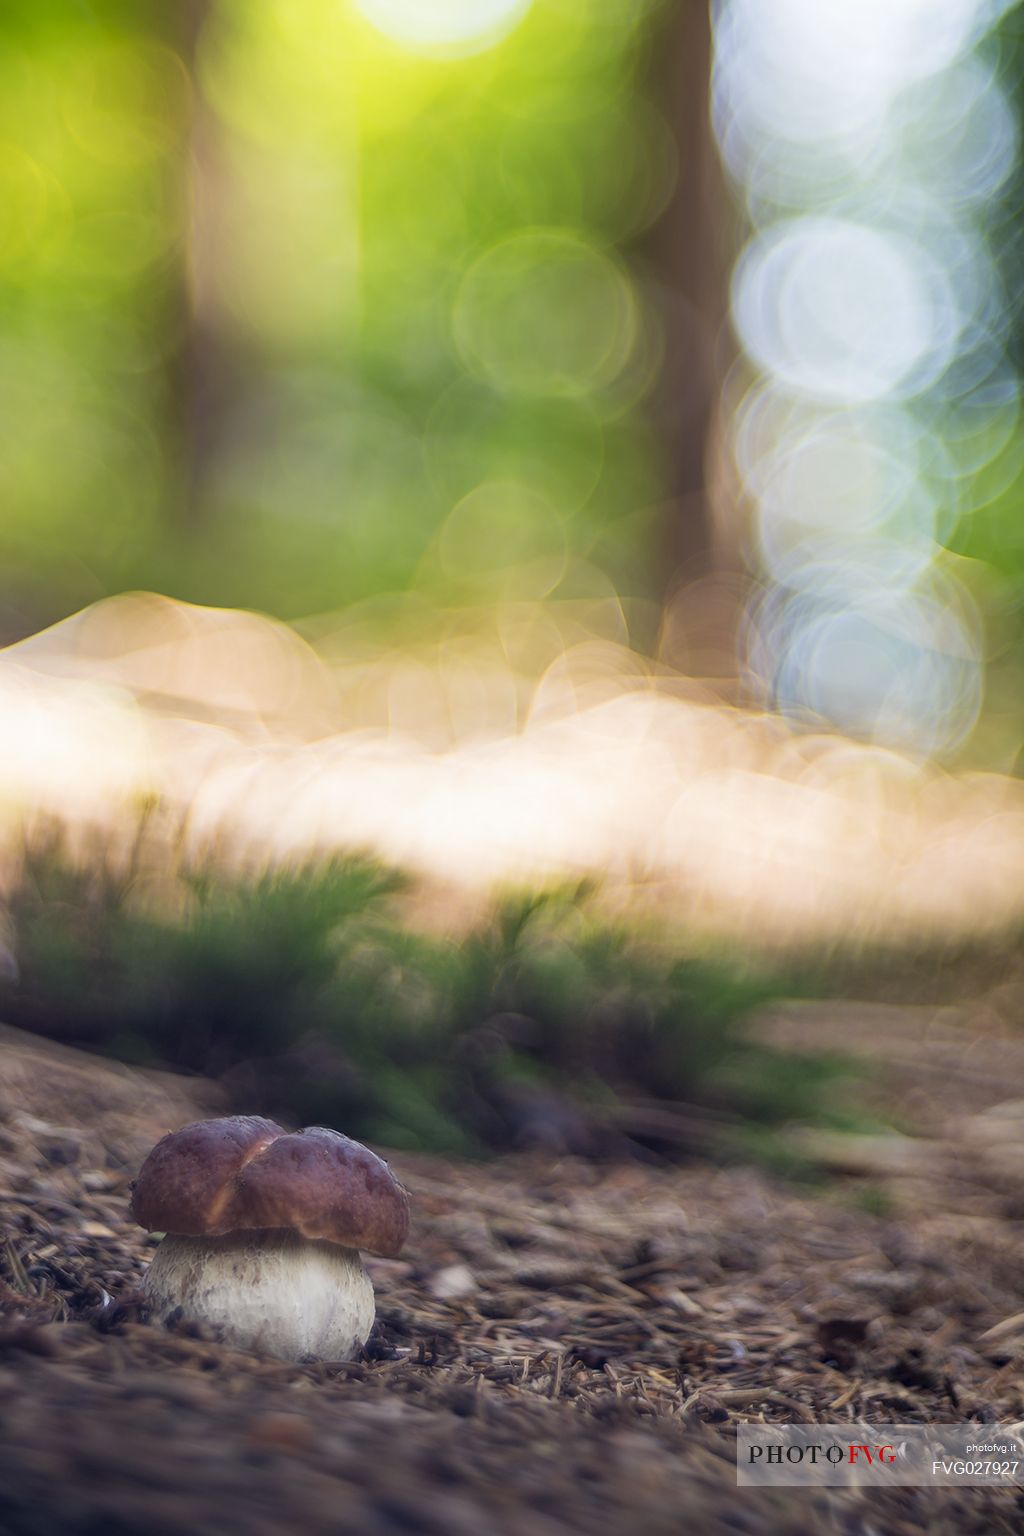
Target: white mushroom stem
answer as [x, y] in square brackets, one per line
[270, 1291]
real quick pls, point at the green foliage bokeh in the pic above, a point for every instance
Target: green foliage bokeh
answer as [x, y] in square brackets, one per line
[277, 294]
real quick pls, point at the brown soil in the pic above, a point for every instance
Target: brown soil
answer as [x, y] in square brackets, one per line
[564, 1348]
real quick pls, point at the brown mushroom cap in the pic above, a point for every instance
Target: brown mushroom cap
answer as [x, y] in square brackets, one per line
[243, 1173]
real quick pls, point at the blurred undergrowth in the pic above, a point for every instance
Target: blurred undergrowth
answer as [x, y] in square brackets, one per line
[309, 995]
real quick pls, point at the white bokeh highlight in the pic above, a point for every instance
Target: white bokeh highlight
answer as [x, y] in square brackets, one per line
[866, 139]
[841, 311]
[444, 26]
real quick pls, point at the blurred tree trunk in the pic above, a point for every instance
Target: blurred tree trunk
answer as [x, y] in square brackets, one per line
[689, 254]
[196, 368]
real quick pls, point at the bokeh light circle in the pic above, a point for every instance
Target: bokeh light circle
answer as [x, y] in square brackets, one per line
[841, 492]
[842, 311]
[504, 534]
[904, 668]
[546, 313]
[868, 139]
[444, 26]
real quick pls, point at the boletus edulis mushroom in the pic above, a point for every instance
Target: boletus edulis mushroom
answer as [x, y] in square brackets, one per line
[263, 1231]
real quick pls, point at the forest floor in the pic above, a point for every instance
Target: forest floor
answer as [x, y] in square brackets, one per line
[564, 1347]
